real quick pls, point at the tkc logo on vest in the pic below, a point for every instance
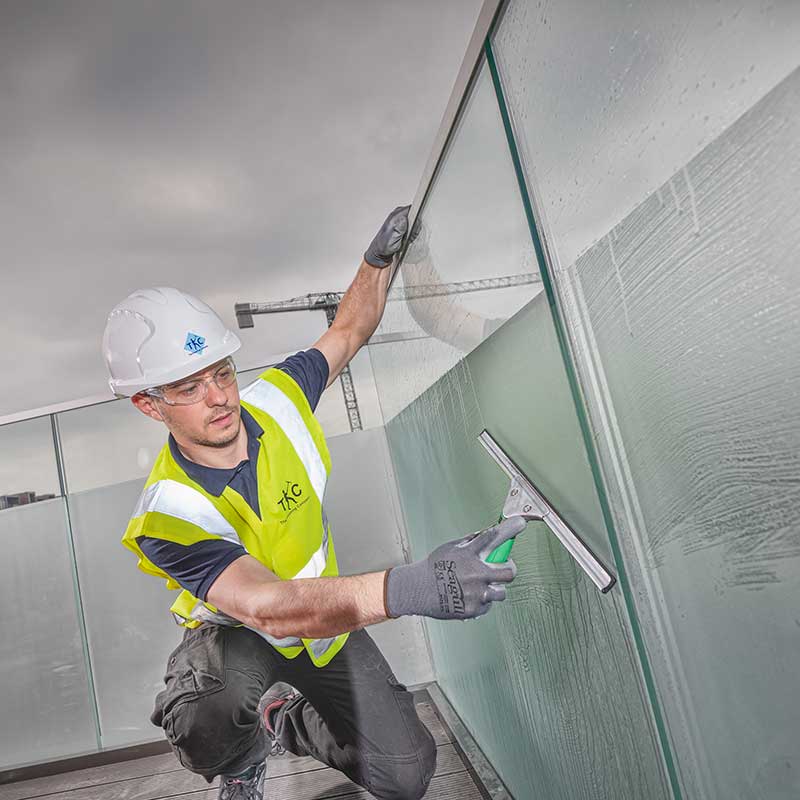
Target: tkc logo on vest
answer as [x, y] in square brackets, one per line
[291, 498]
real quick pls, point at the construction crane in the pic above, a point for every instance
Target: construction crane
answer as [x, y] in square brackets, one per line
[329, 303]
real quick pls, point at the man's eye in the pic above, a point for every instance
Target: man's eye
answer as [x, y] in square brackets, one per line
[187, 391]
[224, 374]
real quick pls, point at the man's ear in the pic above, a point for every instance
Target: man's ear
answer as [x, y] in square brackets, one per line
[147, 405]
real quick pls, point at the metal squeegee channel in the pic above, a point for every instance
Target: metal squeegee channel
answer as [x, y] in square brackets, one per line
[576, 547]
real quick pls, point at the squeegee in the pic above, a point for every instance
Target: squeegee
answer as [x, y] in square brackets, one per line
[525, 500]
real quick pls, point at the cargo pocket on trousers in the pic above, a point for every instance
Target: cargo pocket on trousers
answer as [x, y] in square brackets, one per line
[414, 765]
[194, 669]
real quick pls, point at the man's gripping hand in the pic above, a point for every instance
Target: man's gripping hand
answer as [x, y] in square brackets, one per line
[454, 581]
[389, 239]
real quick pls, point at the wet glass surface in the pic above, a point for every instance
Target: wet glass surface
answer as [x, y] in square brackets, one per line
[548, 681]
[661, 142]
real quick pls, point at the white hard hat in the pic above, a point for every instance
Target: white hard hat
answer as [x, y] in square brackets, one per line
[158, 336]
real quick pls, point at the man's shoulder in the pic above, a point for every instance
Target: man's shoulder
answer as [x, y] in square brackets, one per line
[303, 377]
[310, 370]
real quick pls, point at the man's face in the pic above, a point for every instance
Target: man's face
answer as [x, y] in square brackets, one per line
[214, 421]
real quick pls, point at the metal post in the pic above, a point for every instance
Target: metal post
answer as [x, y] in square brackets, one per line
[76, 583]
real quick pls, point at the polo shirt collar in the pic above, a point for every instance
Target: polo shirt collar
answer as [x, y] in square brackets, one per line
[215, 480]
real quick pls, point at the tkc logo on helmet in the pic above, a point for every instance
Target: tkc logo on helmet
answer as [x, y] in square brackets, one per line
[195, 343]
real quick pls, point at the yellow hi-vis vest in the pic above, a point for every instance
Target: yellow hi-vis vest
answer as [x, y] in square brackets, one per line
[292, 538]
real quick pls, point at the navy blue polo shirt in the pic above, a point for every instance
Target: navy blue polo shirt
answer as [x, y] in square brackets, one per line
[195, 567]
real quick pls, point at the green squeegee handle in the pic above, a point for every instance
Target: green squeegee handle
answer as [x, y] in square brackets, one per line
[500, 554]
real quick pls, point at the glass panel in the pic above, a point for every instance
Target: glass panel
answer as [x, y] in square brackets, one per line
[611, 99]
[44, 703]
[419, 340]
[664, 141]
[129, 627]
[548, 682]
[108, 444]
[28, 471]
[365, 390]
[362, 505]
[45, 709]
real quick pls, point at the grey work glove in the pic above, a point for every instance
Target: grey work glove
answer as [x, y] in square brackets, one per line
[454, 582]
[389, 239]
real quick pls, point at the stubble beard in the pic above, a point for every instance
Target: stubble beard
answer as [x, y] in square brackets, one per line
[203, 441]
[220, 443]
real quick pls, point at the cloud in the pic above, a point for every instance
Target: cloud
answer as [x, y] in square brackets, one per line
[242, 152]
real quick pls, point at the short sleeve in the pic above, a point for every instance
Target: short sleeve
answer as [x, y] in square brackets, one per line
[195, 567]
[310, 370]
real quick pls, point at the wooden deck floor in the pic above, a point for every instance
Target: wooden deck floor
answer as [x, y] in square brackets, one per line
[288, 777]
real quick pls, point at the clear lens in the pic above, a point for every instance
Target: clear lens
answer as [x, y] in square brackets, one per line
[187, 393]
[225, 376]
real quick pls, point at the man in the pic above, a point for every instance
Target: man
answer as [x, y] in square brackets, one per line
[275, 654]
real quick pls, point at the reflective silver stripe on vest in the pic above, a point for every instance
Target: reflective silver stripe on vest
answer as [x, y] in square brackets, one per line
[273, 401]
[289, 641]
[317, 563]
[202, 613]
[181, 501]
[319, 646]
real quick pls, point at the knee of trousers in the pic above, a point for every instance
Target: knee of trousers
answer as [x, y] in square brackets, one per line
[404, 778]
[212, 730]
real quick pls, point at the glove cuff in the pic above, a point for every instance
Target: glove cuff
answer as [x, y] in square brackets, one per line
[377, 261]
[399, 590]
[386, 594]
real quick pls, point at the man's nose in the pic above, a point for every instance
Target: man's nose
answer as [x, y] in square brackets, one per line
[215, 396]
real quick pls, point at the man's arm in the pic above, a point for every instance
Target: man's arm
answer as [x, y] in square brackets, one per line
[358, 316]
[362, 306]
[453, 582]
[309, 608]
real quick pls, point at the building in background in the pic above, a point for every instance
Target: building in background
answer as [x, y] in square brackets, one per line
[22, 499]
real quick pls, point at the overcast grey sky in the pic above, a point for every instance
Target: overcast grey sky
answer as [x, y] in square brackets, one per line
[238, 150]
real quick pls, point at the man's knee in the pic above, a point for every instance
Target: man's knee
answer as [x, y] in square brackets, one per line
[404, 778]
[213, 730]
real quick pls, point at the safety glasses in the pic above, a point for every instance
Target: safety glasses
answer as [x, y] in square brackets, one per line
[189, 392]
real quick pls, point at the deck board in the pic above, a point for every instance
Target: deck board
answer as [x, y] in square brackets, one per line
[288, 778]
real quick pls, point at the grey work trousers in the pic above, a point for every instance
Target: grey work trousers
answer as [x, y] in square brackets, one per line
[351, 714]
